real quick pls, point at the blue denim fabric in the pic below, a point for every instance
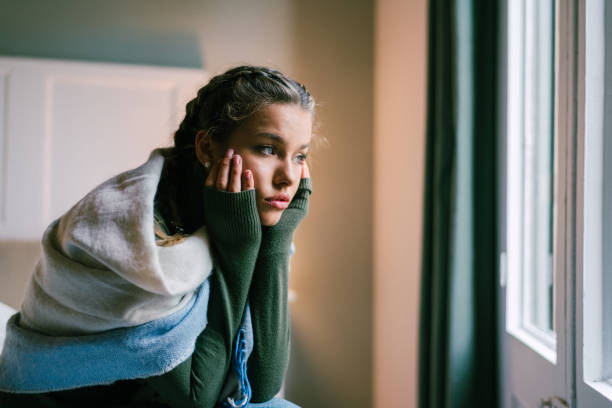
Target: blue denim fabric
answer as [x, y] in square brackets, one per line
[237, 378]
[273, 403]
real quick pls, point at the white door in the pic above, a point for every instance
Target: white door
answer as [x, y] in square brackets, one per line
[67, 126]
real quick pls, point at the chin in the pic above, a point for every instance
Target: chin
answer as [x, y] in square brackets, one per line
[269, 221]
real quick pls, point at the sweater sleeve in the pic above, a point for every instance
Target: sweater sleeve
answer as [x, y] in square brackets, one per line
[268, 300]
[233, 225]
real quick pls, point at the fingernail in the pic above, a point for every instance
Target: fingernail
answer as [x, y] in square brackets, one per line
[230, 153]
[238, 159]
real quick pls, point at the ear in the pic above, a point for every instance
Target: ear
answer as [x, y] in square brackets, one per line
[204, 147]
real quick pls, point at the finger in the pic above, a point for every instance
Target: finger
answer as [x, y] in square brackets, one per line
[248, 182]
[235, 183]
[211, 178]
[305, 170]
[223, 176]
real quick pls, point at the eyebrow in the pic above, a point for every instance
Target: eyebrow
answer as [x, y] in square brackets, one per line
[279, 139]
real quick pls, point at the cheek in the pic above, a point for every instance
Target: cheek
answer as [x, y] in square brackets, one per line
[260, 171]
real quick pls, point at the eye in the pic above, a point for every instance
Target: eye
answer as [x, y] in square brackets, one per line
[300, 158]
[266, 149]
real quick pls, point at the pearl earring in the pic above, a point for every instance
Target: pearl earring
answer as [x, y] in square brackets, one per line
[207, 165]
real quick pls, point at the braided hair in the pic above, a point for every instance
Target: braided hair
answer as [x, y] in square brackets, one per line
[228, 99]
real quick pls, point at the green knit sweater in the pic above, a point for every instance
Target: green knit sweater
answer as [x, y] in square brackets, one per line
[251, 263]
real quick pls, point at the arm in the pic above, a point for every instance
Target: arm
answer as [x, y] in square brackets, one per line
[234, 227]
[268, 300]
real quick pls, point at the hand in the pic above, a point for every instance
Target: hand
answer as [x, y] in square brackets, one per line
[230, 209]
[302, 195]
[305, 171]
[226, 174]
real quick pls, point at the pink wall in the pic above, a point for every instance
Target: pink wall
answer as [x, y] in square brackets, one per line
[399, 147]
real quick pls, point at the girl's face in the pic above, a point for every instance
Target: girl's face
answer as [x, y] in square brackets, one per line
[273, 143]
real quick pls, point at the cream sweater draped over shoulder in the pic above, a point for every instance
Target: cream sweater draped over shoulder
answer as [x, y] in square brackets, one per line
[100, 267]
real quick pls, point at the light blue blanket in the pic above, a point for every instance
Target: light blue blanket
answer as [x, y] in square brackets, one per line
[34, 363]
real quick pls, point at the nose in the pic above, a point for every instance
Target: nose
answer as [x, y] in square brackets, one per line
[287, 173]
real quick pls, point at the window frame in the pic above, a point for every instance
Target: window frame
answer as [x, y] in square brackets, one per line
[570, 60]
[589, 392]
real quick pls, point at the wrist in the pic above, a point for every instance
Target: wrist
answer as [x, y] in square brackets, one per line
[231, 215]
[302, 196]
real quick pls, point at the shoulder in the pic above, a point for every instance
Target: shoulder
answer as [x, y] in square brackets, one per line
[118, 212]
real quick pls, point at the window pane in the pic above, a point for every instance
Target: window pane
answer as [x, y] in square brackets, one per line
[531, 179]
[538, 170]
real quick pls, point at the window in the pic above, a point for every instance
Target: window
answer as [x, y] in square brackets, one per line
[531, 160]
[594, 318]
[557, 259]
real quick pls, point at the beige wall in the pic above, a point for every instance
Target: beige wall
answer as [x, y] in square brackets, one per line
[333, 274]
[399, 147]
[328, 45]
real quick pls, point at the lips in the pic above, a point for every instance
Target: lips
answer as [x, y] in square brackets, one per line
[279, 201]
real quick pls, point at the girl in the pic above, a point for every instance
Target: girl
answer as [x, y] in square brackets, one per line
[167, 284]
